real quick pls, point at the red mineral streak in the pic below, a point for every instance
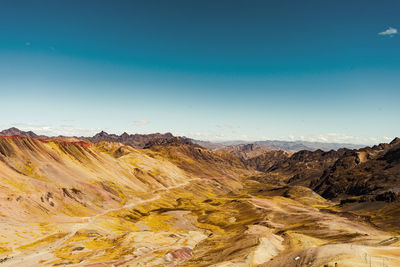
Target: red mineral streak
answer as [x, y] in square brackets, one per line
[13, 136]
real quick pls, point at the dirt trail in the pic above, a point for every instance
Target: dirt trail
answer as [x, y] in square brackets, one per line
[32, 259]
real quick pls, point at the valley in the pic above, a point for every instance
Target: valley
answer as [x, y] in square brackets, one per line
[76, 202]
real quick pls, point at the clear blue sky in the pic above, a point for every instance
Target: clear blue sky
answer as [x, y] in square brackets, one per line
[216, 70]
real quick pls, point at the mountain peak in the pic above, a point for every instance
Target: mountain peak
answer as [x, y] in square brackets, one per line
[15, 131]
[134, 140]
[102, 133]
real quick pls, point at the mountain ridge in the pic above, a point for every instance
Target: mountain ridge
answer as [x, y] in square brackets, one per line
[134, 140]
[140, 141]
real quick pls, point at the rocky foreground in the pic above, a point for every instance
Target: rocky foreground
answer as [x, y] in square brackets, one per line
[67, 202]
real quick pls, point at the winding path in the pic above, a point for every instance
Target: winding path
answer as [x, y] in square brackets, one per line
[20, 259]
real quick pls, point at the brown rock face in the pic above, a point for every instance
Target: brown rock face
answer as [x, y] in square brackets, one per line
[370, 173]
[267, 160]
[301, 168]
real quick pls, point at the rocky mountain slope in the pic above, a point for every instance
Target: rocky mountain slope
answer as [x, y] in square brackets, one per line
[55, 192]
[265, 161]
[245, 151]
[368, 173]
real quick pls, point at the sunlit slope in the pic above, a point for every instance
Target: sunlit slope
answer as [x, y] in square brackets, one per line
[39, 180]
[55, 191]
[199, 161]
[55, 180]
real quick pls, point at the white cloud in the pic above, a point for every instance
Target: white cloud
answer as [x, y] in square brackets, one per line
[65, 130]
[324, 138]
[207, 136]
[223, 133]
[390, 31]
[141, 122]
[342, 138]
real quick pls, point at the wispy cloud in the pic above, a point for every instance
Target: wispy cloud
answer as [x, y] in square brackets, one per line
[324, 138]
[141, 122]
[343, 138]
[49, 130]
[389, 32]
[223, 132]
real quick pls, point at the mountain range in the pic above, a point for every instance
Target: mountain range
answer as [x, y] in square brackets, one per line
[140, 140]
[14, 131]
[281, 145]
[162, 200]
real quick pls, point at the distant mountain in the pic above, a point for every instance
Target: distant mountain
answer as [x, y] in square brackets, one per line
[14, 131]
[134, 140]
[140, 141]
[280, 145]
[208, 144]
[305, 145]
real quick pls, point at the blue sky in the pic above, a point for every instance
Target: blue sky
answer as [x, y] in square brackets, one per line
[215, 70]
